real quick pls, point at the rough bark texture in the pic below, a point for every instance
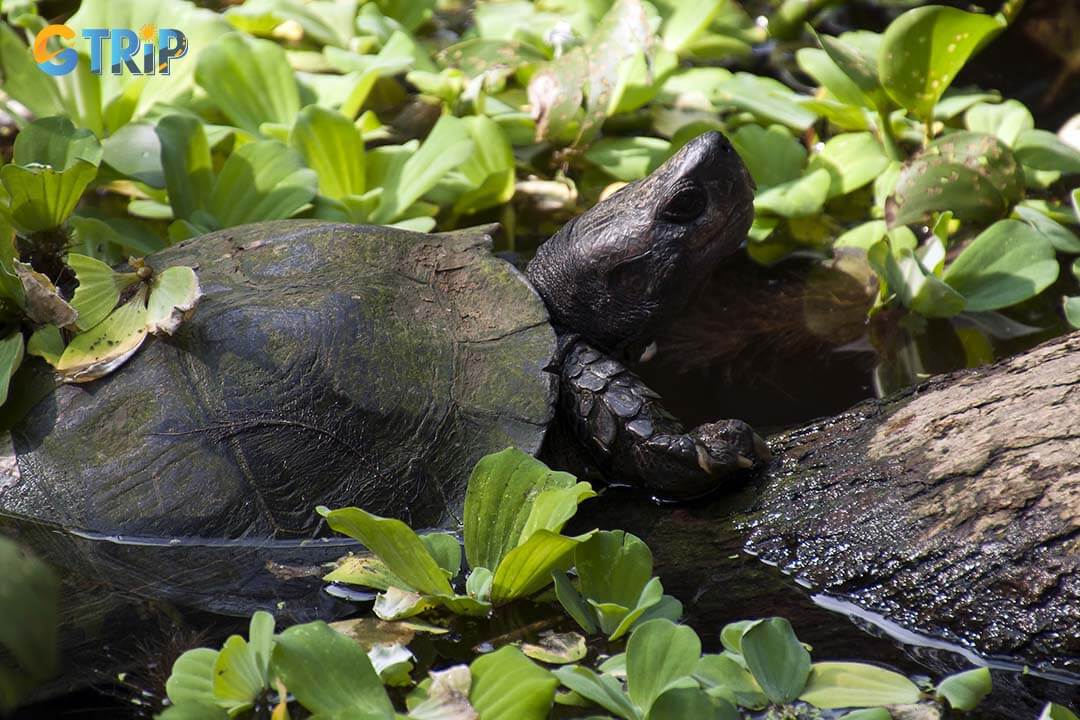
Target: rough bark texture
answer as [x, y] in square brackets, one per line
[952, 510]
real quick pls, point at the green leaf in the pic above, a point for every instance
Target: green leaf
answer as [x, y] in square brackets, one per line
[731, 635]
[691, 702]
[723, 677]
[478, 584]
[604, 690]
[398, 604]
[11, 286]
[489, 169]
[237, 677]
[965, 690]
[974, 175]
[99, 289]
[1043, 150]
[658, 654]
[263, 180]
[527, 568]
[798, 198]
[250, 80]
[54, 142]
[499, 500]
[613, 567]
[869, 714]
[916, 287]
[557, 648]
[445, 148]
[818, 65]
[1053, 711]
[446, 550]
[628, 159]
[1005, 120]
[396, 544]
[508, 686]
[846, 684]
[777, 659]
[1062, 238]
[766, 98]
[192, 678]
[773, 156]
[11, 357]
[852, 160]
[688, 21]
[574, 603]
[42, 198]
[193, 711]
[46, 343]
[173, 292]
[186, 164]
[333, 147]
[1071, 307]
[553, 507]
[924, 49]
[329, 674]
[1007, 263]
[135, 151]
[856, 56]
[106, 346]
[862, 236]
[29, 604]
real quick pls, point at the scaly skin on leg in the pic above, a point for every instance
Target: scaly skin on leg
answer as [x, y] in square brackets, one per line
[634, 440]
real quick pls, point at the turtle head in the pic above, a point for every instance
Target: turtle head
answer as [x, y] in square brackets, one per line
[619, 272]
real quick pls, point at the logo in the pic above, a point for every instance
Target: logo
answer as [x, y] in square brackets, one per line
[146, 52]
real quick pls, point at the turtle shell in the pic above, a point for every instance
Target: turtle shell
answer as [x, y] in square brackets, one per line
[326, 364]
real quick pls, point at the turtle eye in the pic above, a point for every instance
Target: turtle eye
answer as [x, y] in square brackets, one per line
[686, 205]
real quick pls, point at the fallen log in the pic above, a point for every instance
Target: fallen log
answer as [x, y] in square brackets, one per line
[947, 516]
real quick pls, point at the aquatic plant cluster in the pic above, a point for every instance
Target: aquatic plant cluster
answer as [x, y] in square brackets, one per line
[514, 513]
[437, 115]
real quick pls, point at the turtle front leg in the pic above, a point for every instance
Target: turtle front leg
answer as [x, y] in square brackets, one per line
[635, 441]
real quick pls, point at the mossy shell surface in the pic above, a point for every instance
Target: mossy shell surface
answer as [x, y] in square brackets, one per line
[326, 364]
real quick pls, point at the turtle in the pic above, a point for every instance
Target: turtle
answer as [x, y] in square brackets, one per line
[336, 364]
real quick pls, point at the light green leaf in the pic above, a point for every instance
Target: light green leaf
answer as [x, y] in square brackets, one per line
[687, 22]
[691, 702]
[259, 181]
[852, 160]
[965, 690]
[46, 343]
[329, 674]
[499, 500]
[1053, 711]
[1062, 238]
[916, 287]
[489, 169]
[1043, 150]
[173, 292]
[42, 198]
[192, 678]
[604, 690]
[446, 550]
[773, 156]
[478, 584]
[1005, 120]
[250, 80]
[366, 570]
[11, 286]
[29, 604]
[1007, 263]
[845, 684]
[924, 49]
[618, 623]
[869, 714]
[766, 98]
[396, 545]
[193, 711]
[106, 346]
[974, 175]
[445, 148]
[658, 654]
[333, 147]
[723, 677]
[393, 662]
[798, 198]
[628, 159]
[553, 507]
[557, 648]
[508, 686]
[574, 603]
[11, 357]
[856, 55]
[54, 142]
[99, 289]
[527, 568]
[398, 604]
[818, 65]
[862, 236]
[613, 567]
[135, 151]
[237, 677]
[777, 659]
[186, 163]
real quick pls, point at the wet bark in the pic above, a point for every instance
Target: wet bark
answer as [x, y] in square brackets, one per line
[948, 515]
